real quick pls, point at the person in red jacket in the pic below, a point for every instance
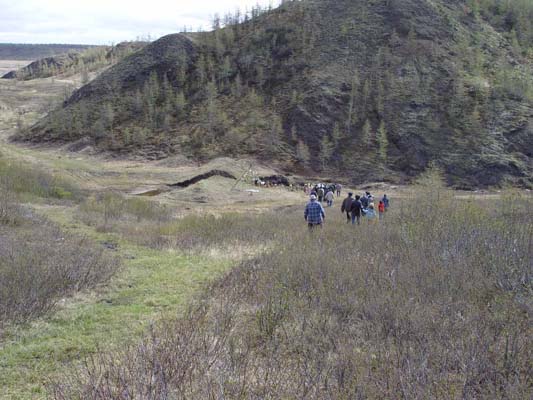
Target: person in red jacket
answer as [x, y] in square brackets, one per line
[381, 210]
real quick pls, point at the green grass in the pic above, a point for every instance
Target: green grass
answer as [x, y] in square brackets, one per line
[151, 285]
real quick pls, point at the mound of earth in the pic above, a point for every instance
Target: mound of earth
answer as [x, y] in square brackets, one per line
[374, 91]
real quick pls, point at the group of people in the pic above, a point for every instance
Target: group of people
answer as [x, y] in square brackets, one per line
[324, 191]
[363, 206]
[354, 207]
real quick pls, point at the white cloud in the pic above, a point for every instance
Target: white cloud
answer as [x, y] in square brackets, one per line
[108, 21]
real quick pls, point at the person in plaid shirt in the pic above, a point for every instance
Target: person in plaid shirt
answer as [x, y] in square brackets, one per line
[314, 213]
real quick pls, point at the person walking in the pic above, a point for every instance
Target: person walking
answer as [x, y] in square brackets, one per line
[381, 209]
[314, 213]
[320, 194]
[385, 201]
[338, 186]
[329, 197]
[370, 213]
[364, 200]
[356, 210]
[347, 206]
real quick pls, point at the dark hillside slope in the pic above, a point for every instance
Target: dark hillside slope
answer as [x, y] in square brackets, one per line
[370, 90]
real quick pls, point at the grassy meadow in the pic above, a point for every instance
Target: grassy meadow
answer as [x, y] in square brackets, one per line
[138, 299]
[434, 302]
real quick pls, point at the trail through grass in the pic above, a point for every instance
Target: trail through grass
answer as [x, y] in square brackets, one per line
[151, 285]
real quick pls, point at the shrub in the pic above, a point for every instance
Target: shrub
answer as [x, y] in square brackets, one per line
[10, 213]
[39, 264]
[435, 302]
[21, 179]
[110, 208]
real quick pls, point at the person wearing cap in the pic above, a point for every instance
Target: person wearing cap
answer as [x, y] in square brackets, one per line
[347, 206]
[314, 213]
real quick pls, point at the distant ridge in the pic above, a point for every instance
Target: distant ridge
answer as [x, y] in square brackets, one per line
[23, 51]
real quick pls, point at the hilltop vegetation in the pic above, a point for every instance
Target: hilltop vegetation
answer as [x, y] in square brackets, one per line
[369, 90]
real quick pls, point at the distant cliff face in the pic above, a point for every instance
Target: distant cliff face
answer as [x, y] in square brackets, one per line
[369, 90]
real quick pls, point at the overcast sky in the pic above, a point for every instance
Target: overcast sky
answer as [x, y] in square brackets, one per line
[107, 21]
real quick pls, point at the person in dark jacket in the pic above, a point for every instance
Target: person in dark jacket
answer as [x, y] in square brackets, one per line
[364, 200]
[347, 206]
[320, 194]
[356, 210]
[385, 201]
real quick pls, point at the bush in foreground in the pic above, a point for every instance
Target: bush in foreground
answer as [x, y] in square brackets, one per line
[39, 265]
[436, 302]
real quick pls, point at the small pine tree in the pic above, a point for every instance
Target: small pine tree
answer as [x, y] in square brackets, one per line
[179, 104]
[383, 142]
[272, 140]
[326, 151]
[367, 134]
[336, 135]
[353, 97]
[238, 86]
[303, 155]
[294, 134]
[107, 116]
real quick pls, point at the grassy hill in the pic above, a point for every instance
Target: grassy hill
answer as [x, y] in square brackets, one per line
[369, 90]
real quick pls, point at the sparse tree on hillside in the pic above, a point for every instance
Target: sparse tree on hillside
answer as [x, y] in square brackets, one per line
[238, 87]
[367, 134]
[107, 116]
[303, 155]
[383, 142]
[326, 151]
[353, 97]
[336, 135]
[179, 104]
[271, 143]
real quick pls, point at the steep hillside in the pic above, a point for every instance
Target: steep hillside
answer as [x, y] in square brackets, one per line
[74, 62]
[370, 90]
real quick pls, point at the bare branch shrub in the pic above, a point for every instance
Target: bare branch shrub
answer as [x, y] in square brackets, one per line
[436, 302]
[40, 264]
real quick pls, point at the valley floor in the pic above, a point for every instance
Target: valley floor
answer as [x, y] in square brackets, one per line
[155, 282]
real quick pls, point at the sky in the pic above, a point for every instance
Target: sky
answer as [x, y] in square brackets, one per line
[108, 21]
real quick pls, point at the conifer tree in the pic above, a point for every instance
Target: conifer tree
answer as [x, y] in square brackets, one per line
[179, 104]
[367, 134]
[353, 97]
[326, 151]
[383, 142]
[303, 155]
